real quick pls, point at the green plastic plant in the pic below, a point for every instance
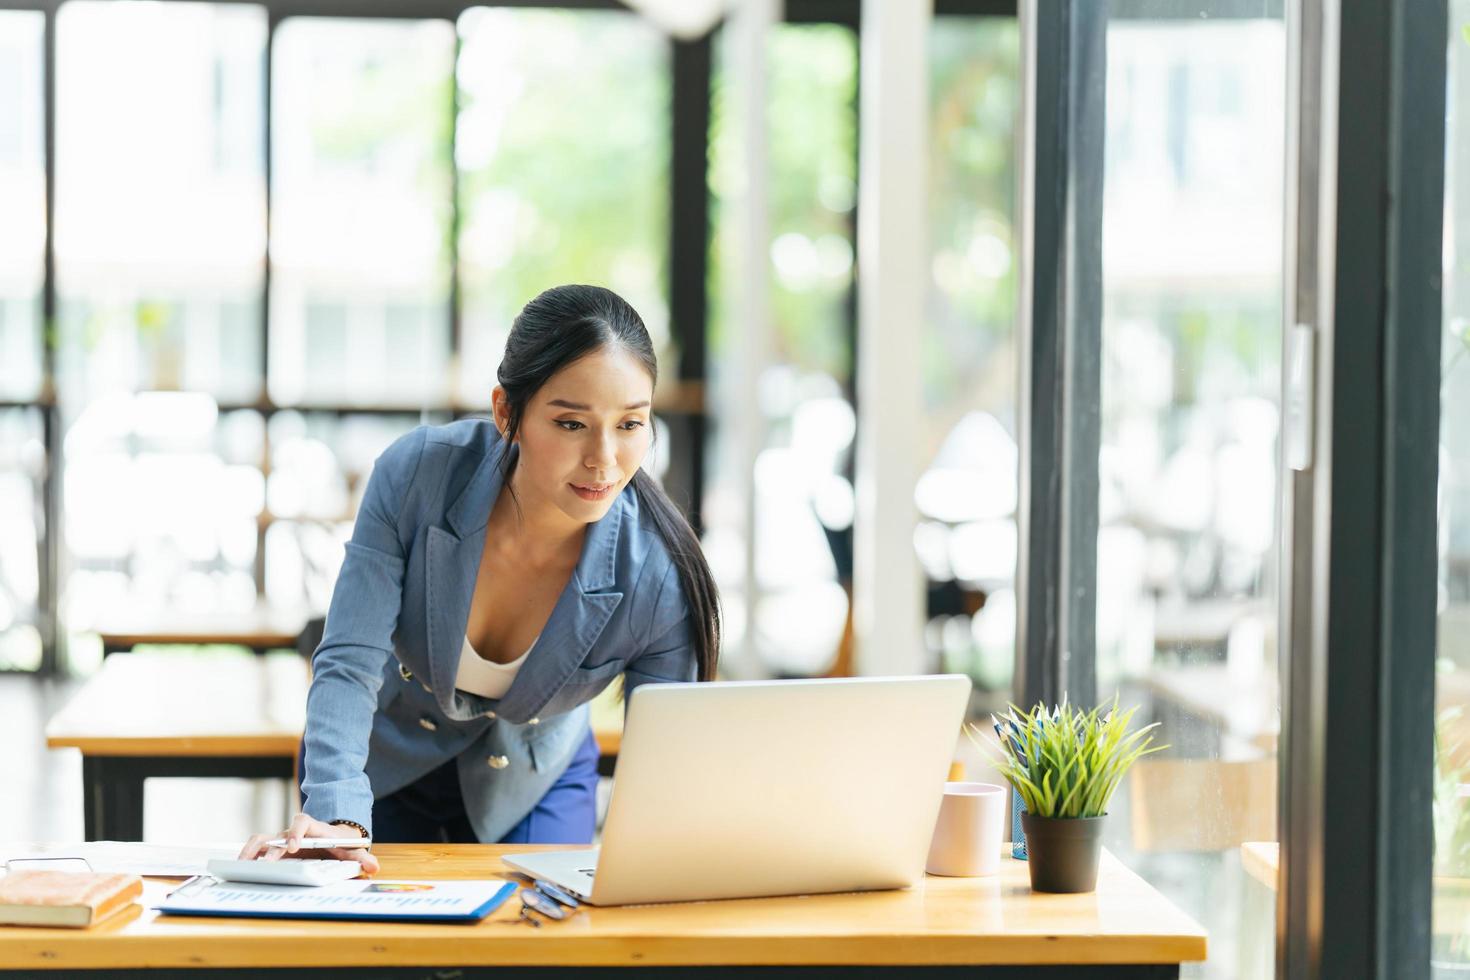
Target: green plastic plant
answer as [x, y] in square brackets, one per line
[1066, 762]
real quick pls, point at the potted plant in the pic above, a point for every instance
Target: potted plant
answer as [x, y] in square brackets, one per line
[1065, 763]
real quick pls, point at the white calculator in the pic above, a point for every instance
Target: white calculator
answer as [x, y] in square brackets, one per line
[287, 871]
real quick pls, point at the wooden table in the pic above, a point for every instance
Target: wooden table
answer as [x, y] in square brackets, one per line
[1261, 860]
[260, 628]
[996, 927]
[1246, 713]
[221, 714]
[1451, 909]
[201, 714]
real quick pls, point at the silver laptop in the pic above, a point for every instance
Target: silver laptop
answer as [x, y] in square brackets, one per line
[741, 789]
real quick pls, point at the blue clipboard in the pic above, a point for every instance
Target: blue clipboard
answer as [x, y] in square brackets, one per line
[359, 899]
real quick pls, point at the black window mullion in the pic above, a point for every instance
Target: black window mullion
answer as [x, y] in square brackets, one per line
[1356, 808]
[1061, 356]
[456, 300]
[267, 142]
[1194, 10]
[422, 9]
[845, 12]
[1082, 376]
[842, 542]
[48, 596]
[689, 242]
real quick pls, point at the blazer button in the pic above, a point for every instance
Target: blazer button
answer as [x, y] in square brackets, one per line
[490, 715]
[405, 673]
[534, 721]
[497, 762]
[427, 724]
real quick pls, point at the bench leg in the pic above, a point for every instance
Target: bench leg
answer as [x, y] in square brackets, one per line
[112, 786]
[113, 801]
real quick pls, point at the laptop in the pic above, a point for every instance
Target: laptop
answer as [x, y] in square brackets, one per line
[753, 788]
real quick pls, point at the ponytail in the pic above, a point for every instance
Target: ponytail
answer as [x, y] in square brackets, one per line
[694, 575]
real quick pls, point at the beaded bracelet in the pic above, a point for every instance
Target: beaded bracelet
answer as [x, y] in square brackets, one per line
[354, 825]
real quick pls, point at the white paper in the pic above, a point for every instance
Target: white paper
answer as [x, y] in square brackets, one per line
[131, 858]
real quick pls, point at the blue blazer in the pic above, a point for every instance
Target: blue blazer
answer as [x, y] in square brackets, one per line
[383, 709]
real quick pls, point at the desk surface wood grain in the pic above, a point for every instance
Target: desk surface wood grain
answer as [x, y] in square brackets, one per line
[995, 920]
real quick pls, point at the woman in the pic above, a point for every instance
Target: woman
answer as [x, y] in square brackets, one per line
[499, 577]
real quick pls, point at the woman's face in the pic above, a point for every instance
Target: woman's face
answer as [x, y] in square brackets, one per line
[584, 434]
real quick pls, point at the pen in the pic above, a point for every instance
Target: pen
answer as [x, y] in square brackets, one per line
[315, 843]
[187, 882]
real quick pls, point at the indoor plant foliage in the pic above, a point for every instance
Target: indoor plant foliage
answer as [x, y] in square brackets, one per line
[1451, 808]
[1066, 763]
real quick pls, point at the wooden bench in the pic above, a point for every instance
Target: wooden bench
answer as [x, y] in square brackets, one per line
[216, 713]
[263, 627]
[962, 927]
[199, 714]
[1262, 861]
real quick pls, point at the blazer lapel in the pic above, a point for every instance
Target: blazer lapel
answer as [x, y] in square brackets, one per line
[585, 606]
[581, 612]
[451, 570]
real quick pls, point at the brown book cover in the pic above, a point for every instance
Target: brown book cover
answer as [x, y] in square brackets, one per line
[64, 898]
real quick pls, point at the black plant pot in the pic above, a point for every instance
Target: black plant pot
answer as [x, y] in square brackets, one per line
[1063, 852]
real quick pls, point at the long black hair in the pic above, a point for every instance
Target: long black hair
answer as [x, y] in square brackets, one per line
[560, 326]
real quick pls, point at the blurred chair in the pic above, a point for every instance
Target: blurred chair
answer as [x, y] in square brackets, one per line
[840, 541]
[311, 636]
[948, 598]
[1201, 804]
[306, 644]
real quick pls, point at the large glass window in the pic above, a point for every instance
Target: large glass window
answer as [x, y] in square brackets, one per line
[966, 496]
[563, 152]
[160, 242]
[22, 465]
[360, 212]
[319, 465]
[803, 494]
[1192, 239]
[22, 203]
[162, 495]
[1451, 930]
[803, 507]
[22, 244]
[208, 467]
[160, 198]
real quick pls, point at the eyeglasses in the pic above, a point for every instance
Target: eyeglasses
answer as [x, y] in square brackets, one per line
[548, 900]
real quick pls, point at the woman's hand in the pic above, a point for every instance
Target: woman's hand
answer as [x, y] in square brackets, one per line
[298, 844]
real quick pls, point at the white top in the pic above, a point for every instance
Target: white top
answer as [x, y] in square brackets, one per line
[489, 680]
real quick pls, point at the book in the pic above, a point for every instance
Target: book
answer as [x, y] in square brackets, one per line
[64, 898]
[398, 901]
